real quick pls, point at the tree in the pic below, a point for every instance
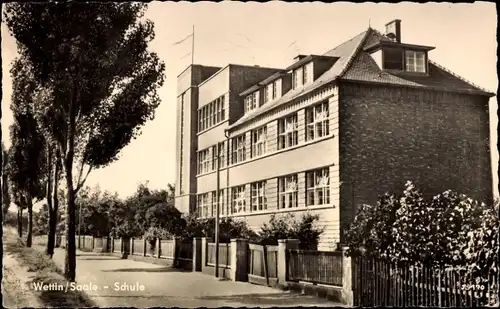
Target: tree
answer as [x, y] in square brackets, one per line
[5, 181]
[92, 58]
[53, 173]
[25, 166]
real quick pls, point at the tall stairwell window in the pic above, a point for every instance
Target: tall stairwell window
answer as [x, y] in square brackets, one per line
[317, 121]
[288, 131]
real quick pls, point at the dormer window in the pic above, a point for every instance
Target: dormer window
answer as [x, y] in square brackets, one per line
[400, 59]
[415, 61]
[272, 91]
[297, 77]
[393, 59]
[251, 102]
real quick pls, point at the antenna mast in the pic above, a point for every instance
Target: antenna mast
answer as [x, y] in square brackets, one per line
[192, 48]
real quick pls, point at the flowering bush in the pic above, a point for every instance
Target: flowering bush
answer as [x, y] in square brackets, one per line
[413, 229]
[481, 248]
[430, 232]
[371, 231]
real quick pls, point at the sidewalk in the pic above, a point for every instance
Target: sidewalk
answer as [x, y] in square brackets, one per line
[168, 287]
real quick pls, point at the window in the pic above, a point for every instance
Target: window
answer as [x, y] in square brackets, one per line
[288, 132]
[251, 102]
[203, 205]
[318, 187]
[218, 110]
[211, 114]
[393, 59]
[267, 97]
[258, 199]
[238, 149]
[274, 90]
[288, 192]
[222, 200]
[415, 61]
[305, 76]
[317, 123]
[204, 161]
[222, 109]
[238, 202]
[222, 154]
[213, 211]
[214, 158]
[259, 141]
[297, 77]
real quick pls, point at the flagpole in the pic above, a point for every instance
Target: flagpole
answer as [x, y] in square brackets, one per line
[192, 48]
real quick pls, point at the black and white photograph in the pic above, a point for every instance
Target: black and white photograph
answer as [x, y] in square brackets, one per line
[249, 154]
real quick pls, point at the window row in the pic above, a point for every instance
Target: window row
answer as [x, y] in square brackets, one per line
[317, 126]
[211, 114]
[207, 158]
[206, 205]
[317, 192]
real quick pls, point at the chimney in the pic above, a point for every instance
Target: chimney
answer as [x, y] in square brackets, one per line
[299, 57]
[393, 30]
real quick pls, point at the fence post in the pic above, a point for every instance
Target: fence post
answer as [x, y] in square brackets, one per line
[158, 247]
[283, 246]
[126, 250]
[347, 293]
[197, 253]
[204, 241]
[239, 259]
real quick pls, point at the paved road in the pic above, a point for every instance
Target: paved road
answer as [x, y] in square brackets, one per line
[168, 287]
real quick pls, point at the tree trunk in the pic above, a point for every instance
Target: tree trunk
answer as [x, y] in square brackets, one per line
[70, 260]
[53, 202]
[20, 222]
[29, 235]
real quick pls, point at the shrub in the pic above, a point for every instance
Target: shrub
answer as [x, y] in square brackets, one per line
[228, 229]
[305, 230]
[371, 231]
[481, 248]
[410, 228]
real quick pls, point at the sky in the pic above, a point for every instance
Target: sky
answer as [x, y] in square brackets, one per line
[272, 34]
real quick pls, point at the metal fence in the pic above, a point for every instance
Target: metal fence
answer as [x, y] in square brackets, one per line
[323, 267]
[379, 283]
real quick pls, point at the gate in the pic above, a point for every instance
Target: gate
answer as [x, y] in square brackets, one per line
[184, 255]
[263, 265]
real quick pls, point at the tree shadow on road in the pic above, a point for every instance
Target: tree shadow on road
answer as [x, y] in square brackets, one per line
[278, 299]
[146, 270]
[97, 259]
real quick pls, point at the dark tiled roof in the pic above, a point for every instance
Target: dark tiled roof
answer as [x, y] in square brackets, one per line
[354, 64]
[263, 83]
[344, 52]
[364, 69]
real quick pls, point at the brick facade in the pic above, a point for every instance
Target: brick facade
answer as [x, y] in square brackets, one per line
[389, 135]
